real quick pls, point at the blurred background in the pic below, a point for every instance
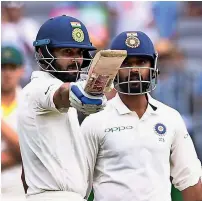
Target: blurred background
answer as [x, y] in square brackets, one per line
[174, 27]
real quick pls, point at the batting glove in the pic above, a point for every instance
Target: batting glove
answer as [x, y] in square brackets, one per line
[84, 102]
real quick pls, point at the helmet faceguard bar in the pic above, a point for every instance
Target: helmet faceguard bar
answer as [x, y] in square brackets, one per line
[46, 63]
[150, 83]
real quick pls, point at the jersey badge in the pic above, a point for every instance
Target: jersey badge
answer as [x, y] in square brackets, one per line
[160, 129]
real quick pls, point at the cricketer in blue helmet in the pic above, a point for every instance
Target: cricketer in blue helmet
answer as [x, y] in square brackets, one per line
[134, 83]
[62, 49]
[133, 156]
[51, 144]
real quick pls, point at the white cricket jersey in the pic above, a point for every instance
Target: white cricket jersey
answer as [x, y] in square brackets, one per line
[50, 140]
[133, 159]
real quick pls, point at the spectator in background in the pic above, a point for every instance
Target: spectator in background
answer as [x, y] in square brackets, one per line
[19, 31]
[11, 72]
[194, 8]
[198, 114]
[165, 14]
[132, 15]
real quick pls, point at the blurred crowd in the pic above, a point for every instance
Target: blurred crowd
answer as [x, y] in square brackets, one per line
[174, 27]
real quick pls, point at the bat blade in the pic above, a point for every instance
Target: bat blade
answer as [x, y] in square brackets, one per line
[103, 70]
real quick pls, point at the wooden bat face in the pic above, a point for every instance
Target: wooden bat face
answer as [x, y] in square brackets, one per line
[104, 68]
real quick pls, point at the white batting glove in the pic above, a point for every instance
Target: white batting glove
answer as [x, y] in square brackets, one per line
[84, 102]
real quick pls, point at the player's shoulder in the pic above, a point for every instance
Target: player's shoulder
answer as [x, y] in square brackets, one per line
[103, 116]
[167, 110]
[44, 77]
[95, 124]
[40, 80]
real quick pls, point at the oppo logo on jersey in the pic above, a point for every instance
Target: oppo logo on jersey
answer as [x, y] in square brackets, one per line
[118, 129]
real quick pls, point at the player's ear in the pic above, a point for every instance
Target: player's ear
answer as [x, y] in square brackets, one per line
[39, 50]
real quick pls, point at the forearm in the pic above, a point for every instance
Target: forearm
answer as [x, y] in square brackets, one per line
[61, 97]
[193, 193]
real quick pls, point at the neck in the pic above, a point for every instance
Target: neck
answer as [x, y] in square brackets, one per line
[7, 97]
[137, 103]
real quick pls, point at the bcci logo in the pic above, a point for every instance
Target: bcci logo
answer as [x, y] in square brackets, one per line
[160, 129]
[78, 35]
[132, 40]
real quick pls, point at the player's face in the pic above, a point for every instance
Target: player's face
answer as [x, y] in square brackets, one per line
[131, 70]
[10, 77]
[69, 60]
[15, 13]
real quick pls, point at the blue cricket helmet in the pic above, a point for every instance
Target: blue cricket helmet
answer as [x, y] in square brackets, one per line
[62, 32]
[136, 43]
[59, 32]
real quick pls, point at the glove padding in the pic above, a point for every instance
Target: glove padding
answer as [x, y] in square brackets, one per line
[83, 102]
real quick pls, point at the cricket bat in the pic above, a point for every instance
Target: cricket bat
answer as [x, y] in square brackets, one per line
[103, 70]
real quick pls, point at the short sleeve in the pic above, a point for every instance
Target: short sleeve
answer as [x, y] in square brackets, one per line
[185, 165]
[41, 97]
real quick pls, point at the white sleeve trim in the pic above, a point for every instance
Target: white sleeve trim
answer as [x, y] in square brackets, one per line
[192, 180]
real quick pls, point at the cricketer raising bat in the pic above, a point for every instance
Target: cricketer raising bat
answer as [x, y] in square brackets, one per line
[103, 70]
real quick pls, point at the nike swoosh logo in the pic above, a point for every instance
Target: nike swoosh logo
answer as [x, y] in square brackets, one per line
[48, 89]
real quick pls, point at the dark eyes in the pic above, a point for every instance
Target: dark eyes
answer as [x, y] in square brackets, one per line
[69, 52]
[139, 62]
[66, 51]
[142, 61]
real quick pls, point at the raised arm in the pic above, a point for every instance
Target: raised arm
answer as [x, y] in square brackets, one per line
[60, 96]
